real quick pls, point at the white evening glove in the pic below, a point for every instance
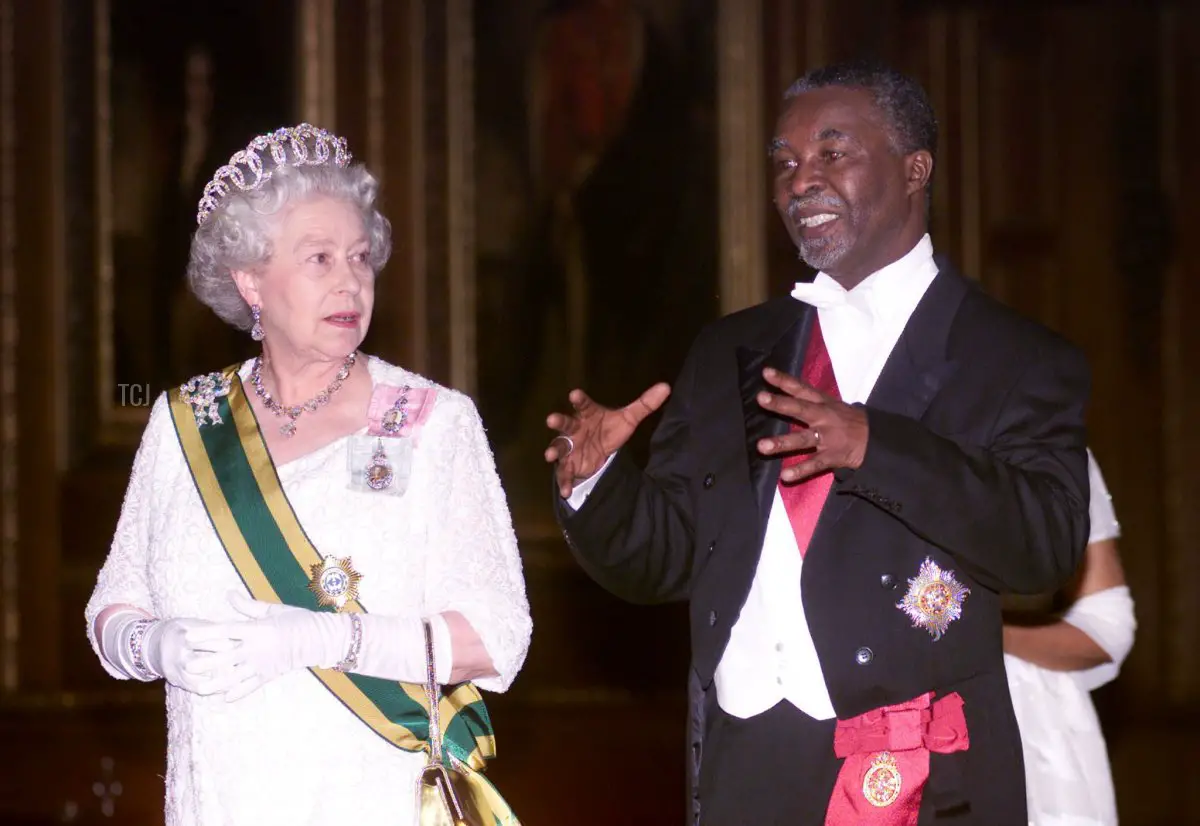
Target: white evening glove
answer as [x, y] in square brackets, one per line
[393, 648]
[168, 651]
[278, 639]
[164, 652]
[273, 640]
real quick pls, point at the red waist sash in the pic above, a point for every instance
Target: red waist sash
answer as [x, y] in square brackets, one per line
[887, 759]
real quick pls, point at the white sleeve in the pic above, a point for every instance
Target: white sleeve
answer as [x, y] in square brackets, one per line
[474, 566]
[393, 648]
[580, 492]
[1100, 508]
[122, 580]
[1107, 617]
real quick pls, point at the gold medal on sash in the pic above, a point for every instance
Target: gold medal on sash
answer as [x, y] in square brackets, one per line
[334, 581]
[882, 783]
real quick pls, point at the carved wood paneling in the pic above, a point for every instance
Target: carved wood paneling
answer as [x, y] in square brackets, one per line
[1114, 267]
[788, 29]
[39, 266]
[438, 201]
[941, 48]
[742, 141]
[1178, 31]
[386, 61]
[405, 104]
[10, 629]
[459, 73]
[1015, 144]
[395, 130]
[318, 26]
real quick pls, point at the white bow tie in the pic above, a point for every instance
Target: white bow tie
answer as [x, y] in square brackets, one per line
[826, 296]
[820, 295]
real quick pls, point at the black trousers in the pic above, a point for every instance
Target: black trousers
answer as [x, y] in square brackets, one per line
[775, 768]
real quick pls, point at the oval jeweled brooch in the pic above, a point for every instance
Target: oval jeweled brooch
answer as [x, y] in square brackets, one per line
[378, 474]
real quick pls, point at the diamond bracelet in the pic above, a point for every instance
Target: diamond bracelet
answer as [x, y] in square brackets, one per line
[356, 635]
[144, 672]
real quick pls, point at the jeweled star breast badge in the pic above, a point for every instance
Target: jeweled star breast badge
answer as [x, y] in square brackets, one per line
[934, 599]
[335, 582]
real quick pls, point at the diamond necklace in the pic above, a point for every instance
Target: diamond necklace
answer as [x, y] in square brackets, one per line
[292, 413]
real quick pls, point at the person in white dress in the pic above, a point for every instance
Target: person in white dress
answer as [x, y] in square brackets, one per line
[1052, 669]
[272, 503]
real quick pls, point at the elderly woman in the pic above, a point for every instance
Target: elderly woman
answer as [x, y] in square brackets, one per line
[1053, 667]
[293, 524]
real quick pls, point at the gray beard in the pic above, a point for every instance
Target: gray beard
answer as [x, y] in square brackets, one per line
[821, 255]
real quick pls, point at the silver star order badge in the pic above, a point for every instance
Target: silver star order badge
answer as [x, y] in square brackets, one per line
[934, 599]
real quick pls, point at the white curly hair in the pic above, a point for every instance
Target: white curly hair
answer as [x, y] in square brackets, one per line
[237, 234]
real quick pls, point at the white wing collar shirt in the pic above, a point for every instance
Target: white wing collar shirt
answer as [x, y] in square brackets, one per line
[770, 656]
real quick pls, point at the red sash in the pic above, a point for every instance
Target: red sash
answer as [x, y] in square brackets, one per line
[887, 759]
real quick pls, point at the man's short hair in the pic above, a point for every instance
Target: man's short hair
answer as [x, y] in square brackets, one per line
[901, 99]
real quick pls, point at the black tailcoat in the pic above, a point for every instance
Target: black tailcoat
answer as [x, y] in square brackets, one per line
[975, 459]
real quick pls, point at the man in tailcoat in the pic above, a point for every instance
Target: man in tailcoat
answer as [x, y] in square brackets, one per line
[842, 484]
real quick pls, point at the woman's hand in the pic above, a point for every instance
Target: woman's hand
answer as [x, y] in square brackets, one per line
[273, 640]
[170, 654]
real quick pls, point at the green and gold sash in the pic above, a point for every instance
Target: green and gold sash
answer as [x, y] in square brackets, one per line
[240, 488]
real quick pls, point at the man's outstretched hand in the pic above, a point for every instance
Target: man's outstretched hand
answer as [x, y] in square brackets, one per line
[587, 438]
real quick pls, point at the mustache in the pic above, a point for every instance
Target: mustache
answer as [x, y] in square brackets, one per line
[805, 201]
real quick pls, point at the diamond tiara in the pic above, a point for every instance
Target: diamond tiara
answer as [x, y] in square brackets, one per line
[308, 145]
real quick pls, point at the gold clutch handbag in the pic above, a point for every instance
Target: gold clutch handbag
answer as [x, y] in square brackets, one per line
[448, 792]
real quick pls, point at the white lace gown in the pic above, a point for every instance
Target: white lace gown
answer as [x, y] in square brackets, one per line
[1068, 778]
[291, 753]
